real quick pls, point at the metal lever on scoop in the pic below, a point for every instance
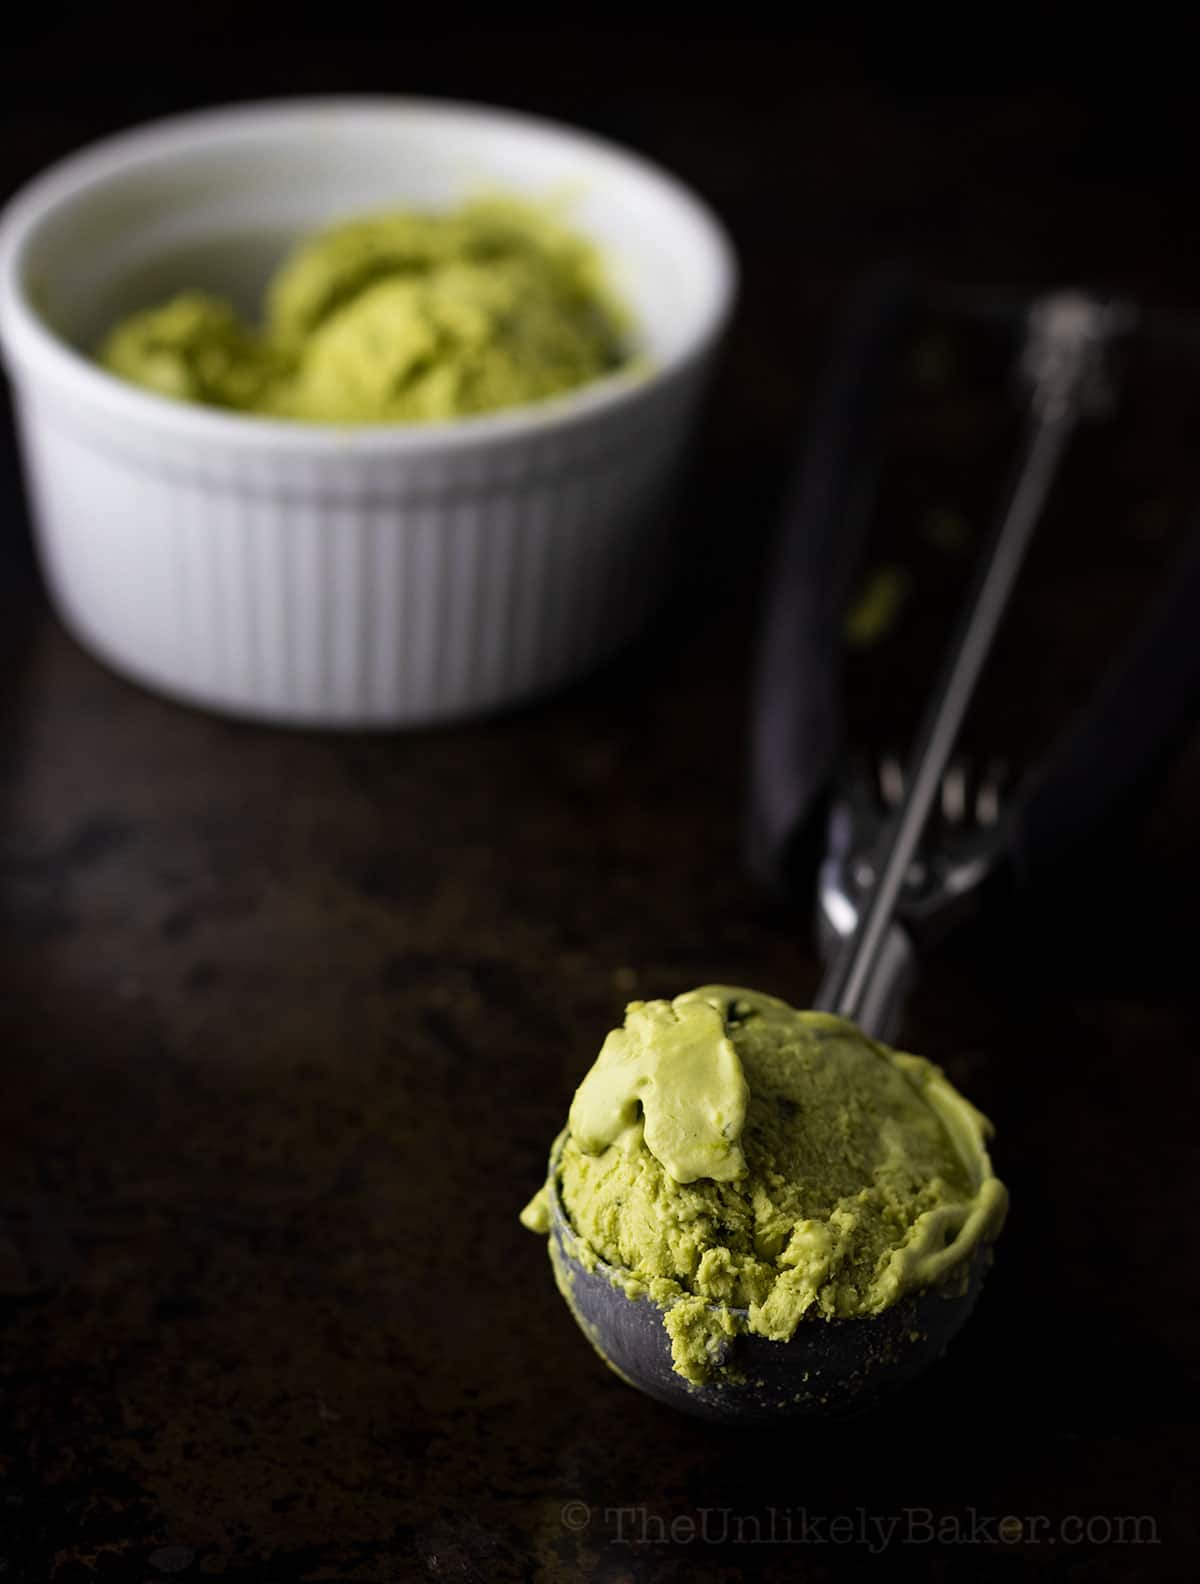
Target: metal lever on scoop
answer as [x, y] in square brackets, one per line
[1062, 361]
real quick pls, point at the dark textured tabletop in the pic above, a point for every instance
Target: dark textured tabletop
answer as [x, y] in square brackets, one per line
[287, 1021]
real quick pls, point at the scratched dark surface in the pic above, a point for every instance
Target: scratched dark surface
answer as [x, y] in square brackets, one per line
[287, 1021]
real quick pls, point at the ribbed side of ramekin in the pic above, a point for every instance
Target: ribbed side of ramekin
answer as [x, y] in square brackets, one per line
[346, 594]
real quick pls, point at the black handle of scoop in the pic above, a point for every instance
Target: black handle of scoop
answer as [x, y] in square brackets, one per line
[795, 735]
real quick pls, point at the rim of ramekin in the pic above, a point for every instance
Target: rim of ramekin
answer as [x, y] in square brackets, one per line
[29, 342]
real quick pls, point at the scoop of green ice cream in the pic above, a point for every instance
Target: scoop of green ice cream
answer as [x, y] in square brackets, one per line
[399, 317]
[474, 337]
[865, 1176]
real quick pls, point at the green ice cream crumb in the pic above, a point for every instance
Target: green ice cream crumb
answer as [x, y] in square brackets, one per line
[876, 607]
[865, 1175]
[392, 318]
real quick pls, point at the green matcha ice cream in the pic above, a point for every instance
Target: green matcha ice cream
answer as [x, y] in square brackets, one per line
[749, 1167]
[392, 318]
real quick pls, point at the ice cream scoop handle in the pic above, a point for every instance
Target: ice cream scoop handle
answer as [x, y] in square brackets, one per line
[1060, 360]
[795, 727]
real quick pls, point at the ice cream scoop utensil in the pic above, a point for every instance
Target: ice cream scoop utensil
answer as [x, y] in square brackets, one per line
[1063, 362]
[838, 1367]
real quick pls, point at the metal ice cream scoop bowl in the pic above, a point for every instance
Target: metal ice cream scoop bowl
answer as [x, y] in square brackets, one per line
[828, 1368]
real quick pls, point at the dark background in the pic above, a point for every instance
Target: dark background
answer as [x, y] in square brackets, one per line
[288, 1021]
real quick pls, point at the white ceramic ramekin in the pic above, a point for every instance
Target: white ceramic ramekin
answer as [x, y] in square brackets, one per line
[310, 574]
